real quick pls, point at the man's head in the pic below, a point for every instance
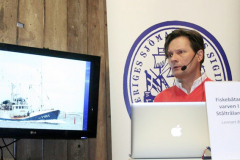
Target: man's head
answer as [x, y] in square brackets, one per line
[185, 49]
[195, 38]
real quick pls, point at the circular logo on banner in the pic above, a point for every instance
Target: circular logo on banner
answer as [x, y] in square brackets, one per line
[147, 72]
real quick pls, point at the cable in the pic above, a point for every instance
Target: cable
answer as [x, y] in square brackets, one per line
[9, 143]
[8, 148]
[6, 145]
[1, 153]
[207, 157]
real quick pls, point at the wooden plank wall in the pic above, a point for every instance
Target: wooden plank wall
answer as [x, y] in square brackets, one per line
[78, 26]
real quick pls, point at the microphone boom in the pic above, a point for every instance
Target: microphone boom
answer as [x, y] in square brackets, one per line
[185, 67]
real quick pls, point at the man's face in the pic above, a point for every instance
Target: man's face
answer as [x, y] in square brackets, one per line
[180, 54]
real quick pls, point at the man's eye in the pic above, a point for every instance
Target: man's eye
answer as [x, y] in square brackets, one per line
[182, 51]
[170, 55]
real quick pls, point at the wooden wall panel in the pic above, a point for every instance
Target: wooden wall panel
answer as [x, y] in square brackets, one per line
[78, 149]
[96, 44]
[55, 149]
[31, 16]
[77, 42]
[29, 149]
[8, 34]
[77, 26]
[68, 25]
[55, 38]
[107, 79]
[55, 25]
[8, 21]
[6, 154]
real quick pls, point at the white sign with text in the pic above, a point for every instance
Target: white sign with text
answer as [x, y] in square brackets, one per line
[223, 107]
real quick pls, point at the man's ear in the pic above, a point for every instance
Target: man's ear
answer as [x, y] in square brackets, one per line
[200, 55]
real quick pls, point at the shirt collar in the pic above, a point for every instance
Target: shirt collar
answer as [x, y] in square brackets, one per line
[196, 83]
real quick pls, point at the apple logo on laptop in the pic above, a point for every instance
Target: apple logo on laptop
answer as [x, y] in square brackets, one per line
[176, 131]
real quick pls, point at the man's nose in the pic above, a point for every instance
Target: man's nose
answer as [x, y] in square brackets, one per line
[174, 57]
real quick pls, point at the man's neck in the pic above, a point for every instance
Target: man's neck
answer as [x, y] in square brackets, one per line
[188, 82]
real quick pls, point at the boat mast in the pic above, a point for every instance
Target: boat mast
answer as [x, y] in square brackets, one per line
[41, 90]
[12, 95]
[41, 98]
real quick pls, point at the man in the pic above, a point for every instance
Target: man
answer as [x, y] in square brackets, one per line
[184, 50]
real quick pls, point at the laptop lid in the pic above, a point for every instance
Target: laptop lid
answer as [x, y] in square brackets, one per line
[169, 130]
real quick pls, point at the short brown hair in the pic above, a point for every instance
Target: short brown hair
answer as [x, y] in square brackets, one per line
[195, 38]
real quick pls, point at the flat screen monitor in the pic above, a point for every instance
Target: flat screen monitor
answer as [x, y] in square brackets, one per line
[47, 94]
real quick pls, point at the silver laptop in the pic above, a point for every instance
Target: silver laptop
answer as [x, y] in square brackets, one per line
[169, 130]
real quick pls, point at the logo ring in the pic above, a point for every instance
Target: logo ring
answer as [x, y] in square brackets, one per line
[171, 25]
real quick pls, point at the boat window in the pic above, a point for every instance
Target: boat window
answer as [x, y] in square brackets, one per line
[16, 107]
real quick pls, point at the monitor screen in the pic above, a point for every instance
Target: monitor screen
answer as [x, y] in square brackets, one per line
[45, 92]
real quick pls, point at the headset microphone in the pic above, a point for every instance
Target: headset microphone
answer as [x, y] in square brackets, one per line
[185, 67]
